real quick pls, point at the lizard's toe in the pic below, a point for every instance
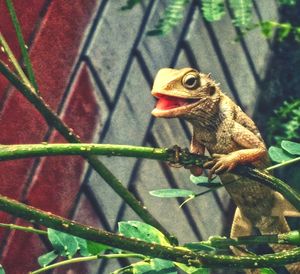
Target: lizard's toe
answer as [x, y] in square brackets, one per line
[209, 164]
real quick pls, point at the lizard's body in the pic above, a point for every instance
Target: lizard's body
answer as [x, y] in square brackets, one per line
[232, 138]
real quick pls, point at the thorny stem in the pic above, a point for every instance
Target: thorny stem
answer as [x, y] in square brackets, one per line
[53, 119]
[24, 52]
[176, 254]
[87, 259]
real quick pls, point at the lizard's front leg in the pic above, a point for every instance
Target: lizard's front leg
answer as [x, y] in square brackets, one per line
[252, 150]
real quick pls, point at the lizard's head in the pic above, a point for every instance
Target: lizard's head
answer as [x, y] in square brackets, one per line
[184, 93]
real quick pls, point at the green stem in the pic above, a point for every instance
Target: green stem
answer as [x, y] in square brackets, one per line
[53, 120]
[11, 152]
[8, 152]
[285, 163]
[24, 52]
[87, 259]
[176, 254]
[290, 238]
[24, 228]
[14, 61]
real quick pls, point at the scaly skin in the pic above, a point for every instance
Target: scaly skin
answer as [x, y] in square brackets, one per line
[231, 137]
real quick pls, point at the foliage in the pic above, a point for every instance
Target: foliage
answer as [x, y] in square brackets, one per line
[66, 245]
[213, 10]
[171, 17]
[285, 123]
[242, 10]
[288, 152]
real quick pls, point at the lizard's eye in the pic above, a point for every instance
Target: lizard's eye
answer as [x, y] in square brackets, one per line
[191, 81]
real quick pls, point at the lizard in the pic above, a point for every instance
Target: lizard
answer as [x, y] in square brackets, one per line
[231, 138]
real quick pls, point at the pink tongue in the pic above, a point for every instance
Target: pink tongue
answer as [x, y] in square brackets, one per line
[168, 102]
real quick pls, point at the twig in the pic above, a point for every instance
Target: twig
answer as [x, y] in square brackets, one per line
[87, 259]
[23, 47]
[14, 61]
[24, 228]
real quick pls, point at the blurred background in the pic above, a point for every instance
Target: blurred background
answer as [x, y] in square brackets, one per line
[95, 62]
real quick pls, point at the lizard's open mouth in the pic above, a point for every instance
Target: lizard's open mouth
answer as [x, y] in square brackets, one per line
[171, 105]
[168, 102]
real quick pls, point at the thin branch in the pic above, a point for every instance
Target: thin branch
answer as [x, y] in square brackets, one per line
[24, 228]
[87, 259]
[176, 254]
[14, 61]
[23, 47]
[53, 120]
[285, 163]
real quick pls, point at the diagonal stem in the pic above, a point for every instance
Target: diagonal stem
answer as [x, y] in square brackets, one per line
[20, 38]
[13, 60]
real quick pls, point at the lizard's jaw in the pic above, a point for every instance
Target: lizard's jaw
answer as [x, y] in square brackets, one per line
[171, 106]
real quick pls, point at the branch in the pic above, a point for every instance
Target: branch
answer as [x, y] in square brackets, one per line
[53, 120]
[174, 155]
[176, 254]
[290, 238]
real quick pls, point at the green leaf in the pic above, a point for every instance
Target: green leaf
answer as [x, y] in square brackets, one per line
[2, 269]
[65, 244]
[266, 271]
[267, 28]
[279, 155]
[47, 258]
[284, 30]
[172, 193]
[203, 181]
[291, 147]
[95, 248]
[142, 231]
[155, 266]
[242, 11]
[196, 246]
[171, 17]
[192, 269]
[213, 10]
[297, 34]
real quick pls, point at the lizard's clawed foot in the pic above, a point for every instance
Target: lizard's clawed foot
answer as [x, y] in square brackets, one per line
[220, 163]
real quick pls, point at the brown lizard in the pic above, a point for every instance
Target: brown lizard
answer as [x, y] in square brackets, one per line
[231, 138]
